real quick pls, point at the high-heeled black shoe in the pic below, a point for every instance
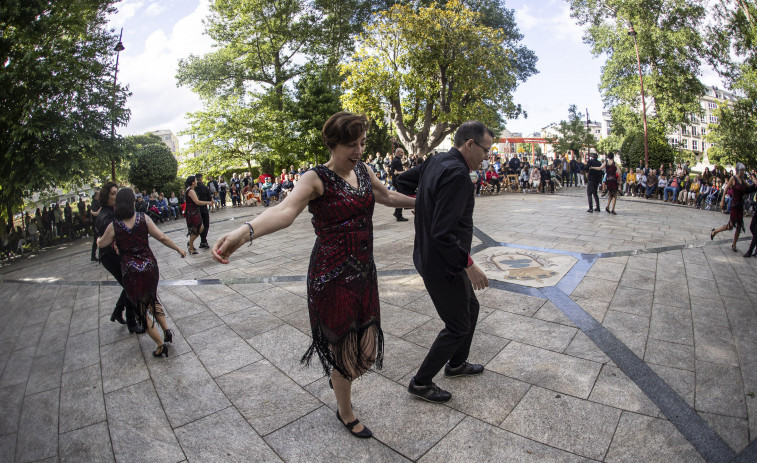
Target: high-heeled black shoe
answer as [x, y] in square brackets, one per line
[733, 248]
[364, 434]
[168, 336]
[712, 234]
[160, 351]
[118, 315]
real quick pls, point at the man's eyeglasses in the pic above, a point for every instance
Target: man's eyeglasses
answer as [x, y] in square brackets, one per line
[486, 151]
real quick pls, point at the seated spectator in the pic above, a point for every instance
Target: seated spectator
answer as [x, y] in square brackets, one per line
[671, 190]
[535, 177]
[557, 184]
[257, 195]
[683, 194]
[545, 178]
[247, 196]
[524, 179]
[173, 204]
[691, 197]
[662, 183]
[141, 204]
[287, 186]
[712, 196]
[165, 210]
[704, 191]
[492, 177]
[272, 192]
[629, 187]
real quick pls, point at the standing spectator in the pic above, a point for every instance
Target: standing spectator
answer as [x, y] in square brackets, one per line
[234, 190]
[68, 214]
[213, 190]
[223, 187]
[203, 194]
[395, 168]
[574, 170]
[581, 173]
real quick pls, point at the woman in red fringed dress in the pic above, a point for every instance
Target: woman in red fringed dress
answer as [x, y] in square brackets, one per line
[342, 288]
[140, 269]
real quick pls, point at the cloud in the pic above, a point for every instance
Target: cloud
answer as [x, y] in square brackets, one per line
[156, 102]
[552, 18]
[156, 8]
[126, 10]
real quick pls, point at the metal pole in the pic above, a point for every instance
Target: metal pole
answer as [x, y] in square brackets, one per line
[117, 49]
[632, 33]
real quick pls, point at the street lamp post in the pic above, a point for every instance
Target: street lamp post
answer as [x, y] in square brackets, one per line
[118, 48]
[632, 33]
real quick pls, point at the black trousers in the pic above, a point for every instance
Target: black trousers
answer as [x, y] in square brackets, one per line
[457, 306]
[591, 191]
[223, 198]
[112, 264]
[205, 222]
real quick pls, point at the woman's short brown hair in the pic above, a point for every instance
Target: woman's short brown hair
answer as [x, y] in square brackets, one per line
[343, 128]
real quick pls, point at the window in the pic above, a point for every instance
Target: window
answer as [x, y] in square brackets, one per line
[694, 130]
[703, 131]
[685, 143]
[713, 119]
[694, 145]
[703, 119]
[684, 130]
[712, 105]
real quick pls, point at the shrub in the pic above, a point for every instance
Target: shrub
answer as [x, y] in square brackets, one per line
[153, 166]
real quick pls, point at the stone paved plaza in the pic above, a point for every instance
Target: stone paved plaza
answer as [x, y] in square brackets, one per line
[605, 338]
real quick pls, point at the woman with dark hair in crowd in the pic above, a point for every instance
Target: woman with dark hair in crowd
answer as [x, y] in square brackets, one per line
[739, 186]
[111, 260]
[342, 286]
[611, 181]
[192, 213]
[139, 267]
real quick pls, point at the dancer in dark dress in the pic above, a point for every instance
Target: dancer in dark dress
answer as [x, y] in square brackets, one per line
[129, 231]
[110, 259]
[342, 288]
[611, 181]
[192, 213]
[739, 186]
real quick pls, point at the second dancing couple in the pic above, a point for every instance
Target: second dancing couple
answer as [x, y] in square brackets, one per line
[342, 284]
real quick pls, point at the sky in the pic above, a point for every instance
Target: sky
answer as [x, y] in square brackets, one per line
[158, 33]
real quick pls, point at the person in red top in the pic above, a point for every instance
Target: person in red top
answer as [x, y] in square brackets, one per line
[492, 177]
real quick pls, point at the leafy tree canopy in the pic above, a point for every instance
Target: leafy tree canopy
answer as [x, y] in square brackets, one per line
[670, 48]
[56, 95]
[573, 135]
[660, 151]
[734, 138]
[152, 166]
[431, 68]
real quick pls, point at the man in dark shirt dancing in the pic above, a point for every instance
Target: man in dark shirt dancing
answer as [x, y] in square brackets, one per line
[443, 234]
[595, 178]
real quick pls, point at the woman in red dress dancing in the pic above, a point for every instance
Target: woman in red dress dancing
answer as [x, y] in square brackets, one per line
[342, 287]
[192, 213]
[739, 186]
[611, 181]
[138, 264]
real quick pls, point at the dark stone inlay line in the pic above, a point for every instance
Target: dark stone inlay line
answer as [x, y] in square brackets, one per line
[693, 427]
[748, 455]
[572, 279]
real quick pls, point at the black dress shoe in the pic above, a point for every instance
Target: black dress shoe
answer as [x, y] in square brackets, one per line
[401, 219]
[590, 211]
[431, 393]
[466, 369]
[204, 245]
[135, 327]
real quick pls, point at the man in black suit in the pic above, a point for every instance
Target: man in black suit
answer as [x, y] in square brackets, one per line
[595, 178]
[443, 235]
[203, 194]
[396, 168]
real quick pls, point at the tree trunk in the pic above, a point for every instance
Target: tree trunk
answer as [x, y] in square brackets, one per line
[10, 214]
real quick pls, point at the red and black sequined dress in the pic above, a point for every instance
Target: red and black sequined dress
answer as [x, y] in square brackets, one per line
[342, 285]
[737, 203]
[192, 214]
[138, 264]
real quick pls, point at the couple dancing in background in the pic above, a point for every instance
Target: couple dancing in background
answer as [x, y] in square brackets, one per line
[342, 287]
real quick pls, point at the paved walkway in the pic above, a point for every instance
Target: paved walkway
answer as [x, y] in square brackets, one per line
[608, 338]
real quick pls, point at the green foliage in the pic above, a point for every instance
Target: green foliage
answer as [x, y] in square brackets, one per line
[153, 166]
[56, 95]
[435, 66]
[610, 144]
[734, 138]
[573, 135]
[660, 152]
[378, 139]
[174, 186]
[527, 149]
[670, 48]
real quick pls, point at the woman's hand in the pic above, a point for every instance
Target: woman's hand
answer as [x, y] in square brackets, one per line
[230, 242]
[182, 253]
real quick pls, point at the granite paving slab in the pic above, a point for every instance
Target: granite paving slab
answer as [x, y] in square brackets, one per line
[11, 399]
[615, 389]
[221, 350]
[547, 369]
[17, 367]
[122, 364]
[719, 389]
[578, 426]
[526, 330]
[284, 346]
[643, 438]
[223, 437]
[735, 431]
[45, 373]
[91, 443]
[38, 427]
[81, 399]
[252, 321]
[82, 350]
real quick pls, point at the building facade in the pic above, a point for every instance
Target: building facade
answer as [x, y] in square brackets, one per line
[169, 139]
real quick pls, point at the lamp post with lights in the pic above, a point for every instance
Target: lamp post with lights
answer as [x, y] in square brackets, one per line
[118, 49]
[632, 33]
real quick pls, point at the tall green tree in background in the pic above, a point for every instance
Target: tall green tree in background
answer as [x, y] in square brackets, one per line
[152, 166]
[573, 135]
[670, 48]
[733, 52]
[56, 95]
[429, 69]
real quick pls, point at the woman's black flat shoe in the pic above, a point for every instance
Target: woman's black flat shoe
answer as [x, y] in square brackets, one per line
[364, 434]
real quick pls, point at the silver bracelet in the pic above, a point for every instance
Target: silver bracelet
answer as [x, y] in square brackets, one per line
[252, 233]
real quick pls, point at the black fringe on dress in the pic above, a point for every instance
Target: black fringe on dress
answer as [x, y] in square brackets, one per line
[346, 356]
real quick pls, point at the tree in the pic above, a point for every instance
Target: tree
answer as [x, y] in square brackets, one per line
[670, 48]
[734, 138]
[573, 134]
[660, 151]
[610, 144]
[152, 166]
[432, 68]
[57, 99]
